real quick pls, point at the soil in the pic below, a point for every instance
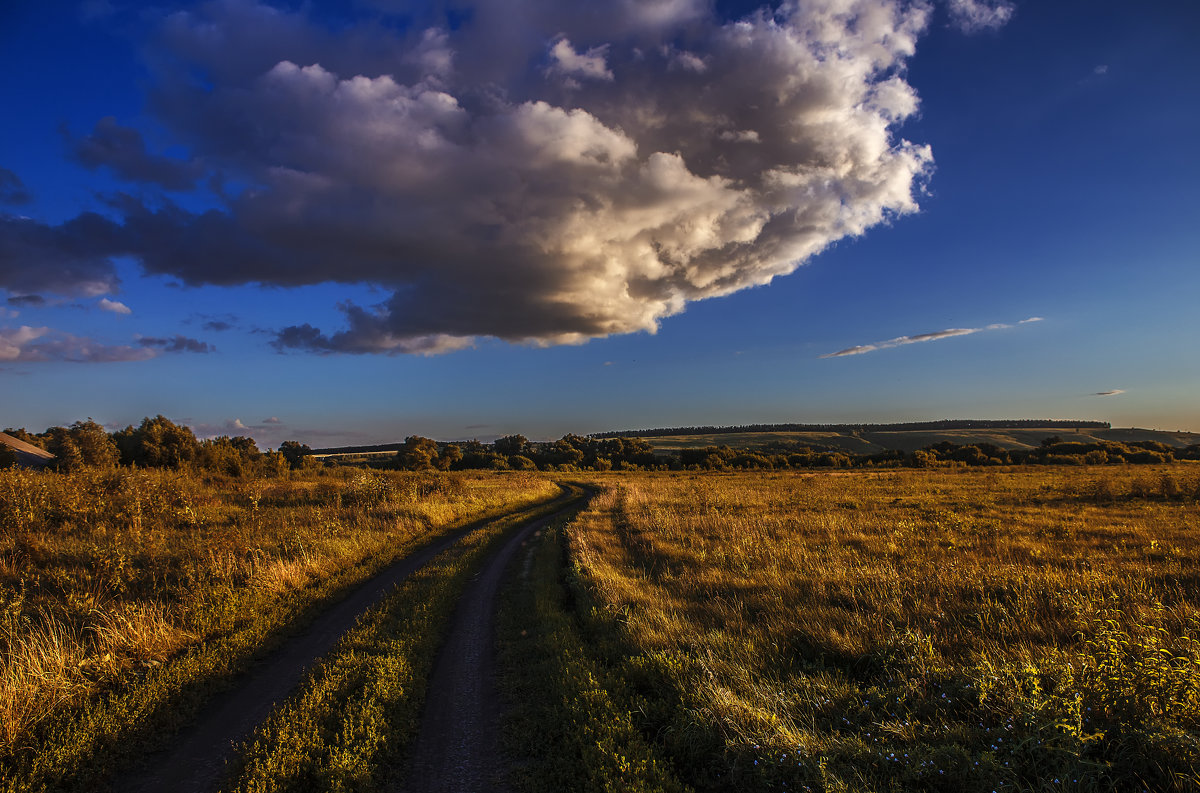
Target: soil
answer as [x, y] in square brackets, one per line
[196, 762]
[457, 749]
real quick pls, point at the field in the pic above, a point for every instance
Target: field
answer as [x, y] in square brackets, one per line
[907, 631]
[875, 442]
[128, 597]
[948, 629]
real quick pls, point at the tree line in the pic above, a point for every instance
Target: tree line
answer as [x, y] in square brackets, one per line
[577, 453]
[160, 443]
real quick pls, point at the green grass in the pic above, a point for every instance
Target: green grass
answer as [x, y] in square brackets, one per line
[569, 724]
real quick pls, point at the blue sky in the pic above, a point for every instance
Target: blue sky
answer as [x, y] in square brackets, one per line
[425, 219]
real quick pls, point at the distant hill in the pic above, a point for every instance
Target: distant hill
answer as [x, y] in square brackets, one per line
[911, 440]
[1011, 434]
[841, 429]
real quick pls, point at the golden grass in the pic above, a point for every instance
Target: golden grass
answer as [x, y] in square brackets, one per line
[105, 574]
[872, 630]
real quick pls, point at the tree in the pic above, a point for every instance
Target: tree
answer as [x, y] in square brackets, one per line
[519, 462]
[450, 456]
[85, 443]
[234, 456]
[417, 454]
[295, 453]
[157, 443]
[511, 444]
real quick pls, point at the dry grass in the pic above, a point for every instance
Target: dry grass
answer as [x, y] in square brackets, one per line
[972, 628]
[107, 574]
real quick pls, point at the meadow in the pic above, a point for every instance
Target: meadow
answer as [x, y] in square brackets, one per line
[127, 597]
[943, 629]
[914, 630]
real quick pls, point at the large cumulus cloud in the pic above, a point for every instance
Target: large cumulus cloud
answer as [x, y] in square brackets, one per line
[545, 172]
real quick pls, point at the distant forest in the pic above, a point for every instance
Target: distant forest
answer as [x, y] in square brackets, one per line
[910, 426]
[160, 443]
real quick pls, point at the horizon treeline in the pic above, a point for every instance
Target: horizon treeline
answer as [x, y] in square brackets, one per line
[160, 443]
[913, 426]
[157, 442]
[580, 453]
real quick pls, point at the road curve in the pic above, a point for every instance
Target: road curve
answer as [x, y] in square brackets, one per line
[197, 761]
[457, 748]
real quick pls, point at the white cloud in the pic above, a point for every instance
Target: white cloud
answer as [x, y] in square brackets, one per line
[589, 65]
[973, 16]
[442, 165]
[115, 306]
[919, 338]
[38, 345]
[12, 340]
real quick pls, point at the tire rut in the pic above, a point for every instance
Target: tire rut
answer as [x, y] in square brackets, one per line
[197, 761]
[457, 747]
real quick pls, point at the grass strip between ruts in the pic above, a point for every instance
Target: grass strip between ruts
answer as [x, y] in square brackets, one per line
[86, 748]
[568, 721]
[348, 726]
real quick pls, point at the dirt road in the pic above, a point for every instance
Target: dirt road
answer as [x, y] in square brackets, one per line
[457, 748]
[197, 761]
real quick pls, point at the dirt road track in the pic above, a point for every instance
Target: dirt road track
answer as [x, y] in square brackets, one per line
[457, 749]
[197, 761]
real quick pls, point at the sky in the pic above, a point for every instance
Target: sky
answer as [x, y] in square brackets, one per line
[353, 222]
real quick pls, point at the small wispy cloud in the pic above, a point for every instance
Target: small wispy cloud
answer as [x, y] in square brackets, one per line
[918, 338]
[272, 420]
[176, 343]
[27, 344]
[973, 16]
[115, 306]
[1113, 392]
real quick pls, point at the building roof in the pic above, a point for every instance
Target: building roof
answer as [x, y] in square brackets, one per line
[27, 454]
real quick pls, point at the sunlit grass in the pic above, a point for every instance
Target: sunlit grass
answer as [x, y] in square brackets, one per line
[126, 594]
[349, 724]
[954, 630]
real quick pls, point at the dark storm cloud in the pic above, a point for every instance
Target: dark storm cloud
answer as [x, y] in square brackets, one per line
[123, 150]
[540, 172]
[12, 189]
[30, 301]
[68, 259]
